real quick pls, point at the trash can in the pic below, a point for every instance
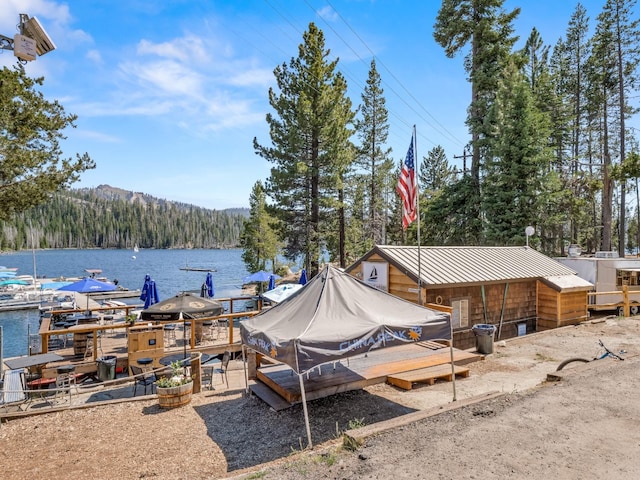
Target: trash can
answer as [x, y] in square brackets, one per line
[484, 337]
[106, 368]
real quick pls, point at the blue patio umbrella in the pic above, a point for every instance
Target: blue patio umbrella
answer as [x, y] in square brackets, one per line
[145, 288]
[88, 285]
[260, 276]
[209, 283]
[303, 277]
[272, 282]
[152, 294]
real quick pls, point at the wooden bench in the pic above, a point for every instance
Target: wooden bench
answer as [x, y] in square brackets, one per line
[428, 375]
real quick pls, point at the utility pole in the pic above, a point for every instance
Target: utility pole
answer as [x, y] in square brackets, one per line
[464, 160]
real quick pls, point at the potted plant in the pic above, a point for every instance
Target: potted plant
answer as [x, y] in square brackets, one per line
[175, 388]
[131, 319]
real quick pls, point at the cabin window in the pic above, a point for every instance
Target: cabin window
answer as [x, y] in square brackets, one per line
[460, 315]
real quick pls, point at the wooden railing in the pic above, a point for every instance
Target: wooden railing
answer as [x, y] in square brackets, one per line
[45, 331]
[624, 302]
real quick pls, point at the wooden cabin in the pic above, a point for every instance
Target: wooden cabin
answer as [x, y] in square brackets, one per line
[517, 289]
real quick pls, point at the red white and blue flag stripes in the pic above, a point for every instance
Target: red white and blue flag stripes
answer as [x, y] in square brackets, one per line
[408, 189]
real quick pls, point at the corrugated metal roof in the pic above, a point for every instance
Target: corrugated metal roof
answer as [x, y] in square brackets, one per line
[460, 265]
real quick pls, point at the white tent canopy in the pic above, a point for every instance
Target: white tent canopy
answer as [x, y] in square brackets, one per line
[337, 316]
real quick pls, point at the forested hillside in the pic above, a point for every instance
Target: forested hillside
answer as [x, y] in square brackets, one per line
[107, 217]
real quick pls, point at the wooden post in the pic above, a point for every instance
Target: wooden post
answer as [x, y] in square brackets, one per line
[95, 345]
[625, 299]
[252, 364]
[196, 372]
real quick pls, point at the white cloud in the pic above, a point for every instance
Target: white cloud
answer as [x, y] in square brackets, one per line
[185, 49]
[328, 14]
[97, 136]
[252, 77]
[165, 78]
[94, 56]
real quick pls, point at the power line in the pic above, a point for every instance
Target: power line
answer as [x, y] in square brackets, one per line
[451, 135]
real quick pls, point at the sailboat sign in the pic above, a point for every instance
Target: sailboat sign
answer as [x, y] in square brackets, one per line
[376, 274]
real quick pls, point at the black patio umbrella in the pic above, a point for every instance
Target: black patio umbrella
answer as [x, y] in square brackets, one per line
[184, 304]
[182, 307]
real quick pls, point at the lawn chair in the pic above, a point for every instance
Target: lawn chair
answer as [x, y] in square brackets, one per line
[14, 388]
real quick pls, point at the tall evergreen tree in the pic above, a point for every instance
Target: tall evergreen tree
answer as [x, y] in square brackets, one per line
[258, 238]
[435, 173]
[577, 50]
[310, 149]
[373, 157]
[517, 162]
[618, 17]
[487, 29]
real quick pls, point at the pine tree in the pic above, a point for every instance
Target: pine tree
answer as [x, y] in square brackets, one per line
[31, 163]
[486, 28]
[258, 238]
[310, 149]
[617, 18]
[373, 158]
[518, 160]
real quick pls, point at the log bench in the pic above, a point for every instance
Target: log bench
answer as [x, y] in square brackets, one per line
[405, 380]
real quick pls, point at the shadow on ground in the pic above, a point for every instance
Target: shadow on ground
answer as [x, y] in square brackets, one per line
[272, 435]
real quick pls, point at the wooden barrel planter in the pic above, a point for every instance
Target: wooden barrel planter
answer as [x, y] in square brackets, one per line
[172, 397]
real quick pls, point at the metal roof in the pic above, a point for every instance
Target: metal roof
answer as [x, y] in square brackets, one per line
[468, 265]
[568, 283]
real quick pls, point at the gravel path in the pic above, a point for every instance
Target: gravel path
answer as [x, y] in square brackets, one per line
[586, 426]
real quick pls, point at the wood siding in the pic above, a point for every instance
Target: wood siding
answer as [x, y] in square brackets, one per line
[556, 309]
[520, 305]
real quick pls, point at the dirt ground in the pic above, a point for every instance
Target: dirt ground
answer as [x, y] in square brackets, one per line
[585, 426]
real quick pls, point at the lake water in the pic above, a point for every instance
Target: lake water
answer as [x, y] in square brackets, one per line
[129, 268]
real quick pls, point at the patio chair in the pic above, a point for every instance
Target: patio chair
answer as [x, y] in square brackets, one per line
[65, 381]
[207, 376]
[222, 369]
[142, 378]
[223, 328]
[14, 388]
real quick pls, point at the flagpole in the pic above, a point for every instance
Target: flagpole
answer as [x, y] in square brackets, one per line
[415, 150]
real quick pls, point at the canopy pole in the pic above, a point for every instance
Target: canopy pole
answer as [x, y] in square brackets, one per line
[304, 408]
[453, 365]
[246, 373]
[304, 398]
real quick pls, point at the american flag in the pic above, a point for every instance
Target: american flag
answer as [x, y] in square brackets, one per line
[408, 189]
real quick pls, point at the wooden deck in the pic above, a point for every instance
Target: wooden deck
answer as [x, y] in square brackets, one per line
[113, 342]
[427, 375]
[357, 372]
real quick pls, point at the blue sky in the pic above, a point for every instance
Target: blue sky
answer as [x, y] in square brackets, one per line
[170, 94]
